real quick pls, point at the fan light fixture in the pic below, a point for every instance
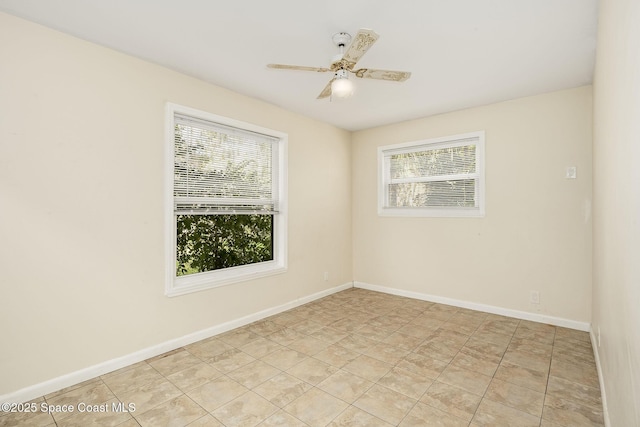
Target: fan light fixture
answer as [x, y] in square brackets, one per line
[341, 86]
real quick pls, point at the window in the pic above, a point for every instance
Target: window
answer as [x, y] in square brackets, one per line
[441, 177]
[226, 201]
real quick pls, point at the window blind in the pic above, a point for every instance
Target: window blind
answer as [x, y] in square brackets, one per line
[220, 169]
[434, 177]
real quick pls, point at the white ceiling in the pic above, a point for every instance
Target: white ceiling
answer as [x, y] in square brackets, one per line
[462, 53]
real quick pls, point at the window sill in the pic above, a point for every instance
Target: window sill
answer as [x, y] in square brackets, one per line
[215, 279]
[432, 213]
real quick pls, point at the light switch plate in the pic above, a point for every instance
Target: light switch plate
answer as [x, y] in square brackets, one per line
[571, 172]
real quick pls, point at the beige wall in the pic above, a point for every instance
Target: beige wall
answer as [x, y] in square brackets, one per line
[616, 227]
[81, 198]
[536, 234]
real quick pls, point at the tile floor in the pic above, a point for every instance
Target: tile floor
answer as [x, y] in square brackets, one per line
[355, 358]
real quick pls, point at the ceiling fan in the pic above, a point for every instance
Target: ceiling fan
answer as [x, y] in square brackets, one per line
[345, 61]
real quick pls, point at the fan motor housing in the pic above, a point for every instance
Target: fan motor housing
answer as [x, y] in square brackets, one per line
[341, 39]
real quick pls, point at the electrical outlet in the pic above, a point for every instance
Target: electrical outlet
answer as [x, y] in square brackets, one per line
[326, 276]
[534, 297]
[570, 172]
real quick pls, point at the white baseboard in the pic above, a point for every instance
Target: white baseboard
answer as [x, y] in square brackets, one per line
[46, 387]
[605, 408]
[540, 318]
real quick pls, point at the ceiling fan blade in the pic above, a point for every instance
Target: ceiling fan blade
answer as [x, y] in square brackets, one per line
[396, 76]
[359, 46]
[326, 92]
[298, 67]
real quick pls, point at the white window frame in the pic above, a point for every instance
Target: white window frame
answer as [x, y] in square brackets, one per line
[430, 144]
[180, 285]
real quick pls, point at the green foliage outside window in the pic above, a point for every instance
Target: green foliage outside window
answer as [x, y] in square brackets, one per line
[212, 242]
